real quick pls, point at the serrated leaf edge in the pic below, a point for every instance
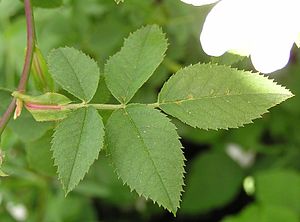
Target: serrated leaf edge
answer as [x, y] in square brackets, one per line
[140, 194]
[67, 190]
[257, 76]
[81, 88]
[126, 100]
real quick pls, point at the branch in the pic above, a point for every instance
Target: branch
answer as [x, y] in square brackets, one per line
[27, 64]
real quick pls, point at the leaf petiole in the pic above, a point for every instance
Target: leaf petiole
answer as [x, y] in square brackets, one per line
[104, 106]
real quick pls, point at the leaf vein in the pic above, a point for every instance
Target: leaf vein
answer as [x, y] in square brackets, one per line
[77, 150]
[150, 157]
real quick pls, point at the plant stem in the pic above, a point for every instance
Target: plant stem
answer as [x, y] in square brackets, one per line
[30, 46]
[27, 64]
[7, 115]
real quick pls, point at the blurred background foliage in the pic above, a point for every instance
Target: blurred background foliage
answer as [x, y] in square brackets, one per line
[237, 175]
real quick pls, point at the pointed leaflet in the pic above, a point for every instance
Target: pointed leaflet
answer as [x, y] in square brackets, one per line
[212, 96]
[75, 72]
[76, 144]
[129, 69]
[146, 152]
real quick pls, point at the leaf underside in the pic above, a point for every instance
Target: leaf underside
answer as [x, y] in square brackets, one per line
[146, 152]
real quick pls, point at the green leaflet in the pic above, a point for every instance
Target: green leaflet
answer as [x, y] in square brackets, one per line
[76, 144]
[118, 1]
[46, 107]
[210, 96]
[213, 181]
[75, 72]
[129, 69]
[146, 152]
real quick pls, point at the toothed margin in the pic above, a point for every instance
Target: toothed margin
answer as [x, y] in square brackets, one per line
[183, 172]
[79, 52]
[126, 40]
[247, 74]
[66, 190]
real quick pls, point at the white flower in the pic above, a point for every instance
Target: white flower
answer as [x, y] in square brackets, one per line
[263, 29]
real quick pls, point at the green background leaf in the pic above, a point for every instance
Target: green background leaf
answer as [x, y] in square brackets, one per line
[76, 144]
[210, 96]
[75, 72]
[27, 129]
[147, 154]
[264, 214]
[102, 182]
[279, 188]
[39, 156]
[129, 69]
[46, 3]
[5, 98]
[213, 181]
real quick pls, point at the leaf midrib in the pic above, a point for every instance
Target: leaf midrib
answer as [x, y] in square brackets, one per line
[137, 62]
[220, 96]
[74, 73]
[148, 153]
[76, 154]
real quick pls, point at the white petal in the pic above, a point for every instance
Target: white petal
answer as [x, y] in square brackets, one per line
[277, 33]
[271, 57]
[226, 28]
[266, 29]
[199, 2]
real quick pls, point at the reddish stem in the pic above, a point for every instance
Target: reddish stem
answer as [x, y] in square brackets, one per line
[27, 64]
[30, 46]
[34, 106]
